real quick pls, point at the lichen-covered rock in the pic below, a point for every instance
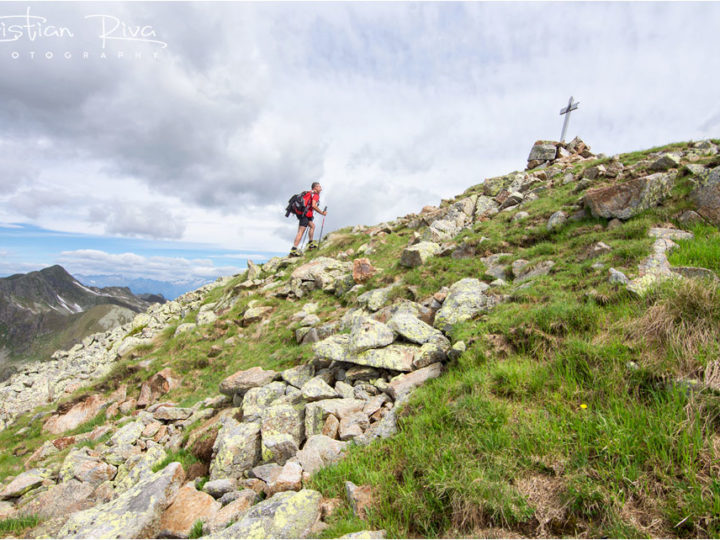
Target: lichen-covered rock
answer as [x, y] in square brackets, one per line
[628, 199]
[60, 500]
[23, 483]
[417, 254]
[317, 412]
[375, 299]
[413, 329]
[242, 381]
[289, 479]
[557, 220]
[134, 514]
[139, 467]
[396, 357]
[86, 468]
[316, 389]
[255, 314]
[257, 399]
[236, 449]
[402, 385]
[285, 515]
[282, 431]
[127, 434]
[218, 488]
[665, 162]
[706, 197]
[369, 334]
[485, 206]
[298, 375]
[365, 535]
[172, 414]
[320, 451]
[465, 299]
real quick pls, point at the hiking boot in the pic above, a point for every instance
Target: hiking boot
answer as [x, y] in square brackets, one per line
[295, 252]
[313, 245]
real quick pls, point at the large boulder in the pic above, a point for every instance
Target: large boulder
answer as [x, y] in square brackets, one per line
[23, 483]
[543, 152]
[139, 467]
[79, 413]
[396, 356]
[257, 399]
[486, 205]
[189, 506]
[706, 197]
[283, 431]
[242, 381]
[465, 299]
[628, 199]
[134, 514]
[369, 334]
[298, 375]
[417, 254]
[288, 514]
[376, 298]
[236, 449]
[60, 500]
[413, 329]
[320, 451]
[80, 465]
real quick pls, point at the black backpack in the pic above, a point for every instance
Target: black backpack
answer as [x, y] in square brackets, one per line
[296, 205]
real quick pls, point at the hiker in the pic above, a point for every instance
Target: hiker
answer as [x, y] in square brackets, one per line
[311, 200]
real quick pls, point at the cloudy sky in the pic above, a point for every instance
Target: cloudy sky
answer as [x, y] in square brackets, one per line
[165, 138]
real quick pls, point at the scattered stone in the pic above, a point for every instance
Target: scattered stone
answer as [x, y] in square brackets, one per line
[540, 269]
[707, 198]
[413, 329]
[134, 514]
[365, 535]
[242, 381]
[598, 249]
[236, 449]
[161, 383]
[80, 465]
[298, 375]
[402, 385]
[172, 414]
[231, 512]
[557, 220]
[320, 451]
[255, 314]
[520, 216]
[618, 278]
[418, 254]
[457, 350]
[360, 498]
[362, 270]
[667, 161]
[376, 298]
[60, 500]
[464, 300]
[127, 435]
[189, 506]
[353, 425]
[218, 488]
[317, 389]
[690, 217]
[289, 479]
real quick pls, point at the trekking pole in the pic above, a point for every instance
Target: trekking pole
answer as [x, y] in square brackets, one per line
[302, 239]
[321, 228]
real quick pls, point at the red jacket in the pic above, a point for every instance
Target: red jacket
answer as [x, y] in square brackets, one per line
[308, 198]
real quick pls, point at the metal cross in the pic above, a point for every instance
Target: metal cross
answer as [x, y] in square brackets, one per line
[566, 110]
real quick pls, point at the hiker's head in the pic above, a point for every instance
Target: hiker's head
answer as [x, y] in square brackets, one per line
[316, 187]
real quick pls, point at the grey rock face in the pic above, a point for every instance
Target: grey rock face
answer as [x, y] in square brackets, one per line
[288, 514]
[542, 152]
[417, 254]
[557, 220]
[135, 514]
[627, 199]
[465, 299]
[236, 449]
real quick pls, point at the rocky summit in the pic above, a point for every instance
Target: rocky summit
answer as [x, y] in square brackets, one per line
[534, 357]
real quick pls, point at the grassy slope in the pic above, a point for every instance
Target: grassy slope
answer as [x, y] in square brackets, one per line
[560, 419]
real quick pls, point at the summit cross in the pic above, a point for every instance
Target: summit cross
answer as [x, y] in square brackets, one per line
[566, 111]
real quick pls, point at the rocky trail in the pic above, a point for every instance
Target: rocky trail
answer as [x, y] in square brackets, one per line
[262, 435]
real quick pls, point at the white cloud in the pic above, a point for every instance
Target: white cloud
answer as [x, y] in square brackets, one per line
[132, 265]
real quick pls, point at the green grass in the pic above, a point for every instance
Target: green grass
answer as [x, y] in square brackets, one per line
[703, 250]
[182, 456]
[18, 525]
[197, 529]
